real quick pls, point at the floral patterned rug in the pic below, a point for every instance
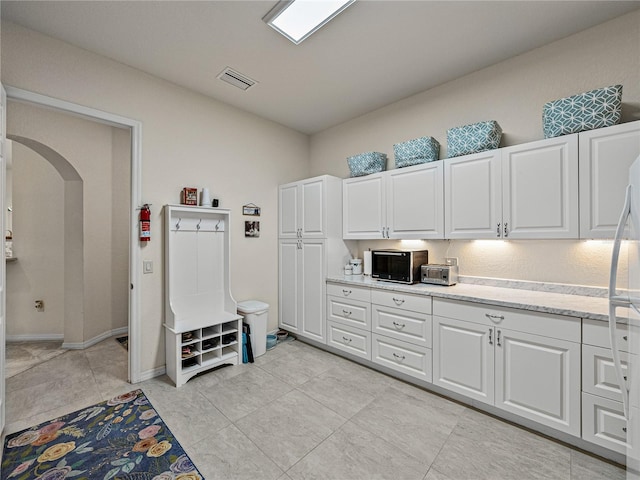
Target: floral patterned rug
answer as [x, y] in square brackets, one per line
[122, 438]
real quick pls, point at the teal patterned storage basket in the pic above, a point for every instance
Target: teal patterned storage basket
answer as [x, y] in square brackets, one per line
[586, 111]
[474, 138]
[418, 150]
[366, 163]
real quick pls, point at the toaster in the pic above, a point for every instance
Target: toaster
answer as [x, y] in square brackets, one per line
[439, 274]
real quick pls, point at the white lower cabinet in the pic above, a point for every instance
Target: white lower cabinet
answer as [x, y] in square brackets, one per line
[401, 356]
[348, 339]
[603, 421]
[527, 373]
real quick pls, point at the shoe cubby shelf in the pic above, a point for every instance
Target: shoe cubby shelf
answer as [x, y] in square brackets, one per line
[202, 327]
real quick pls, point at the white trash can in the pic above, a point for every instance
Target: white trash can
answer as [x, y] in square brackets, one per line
[256, 315]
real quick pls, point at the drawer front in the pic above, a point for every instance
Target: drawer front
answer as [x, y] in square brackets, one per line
[349, 292]
[402, 356]
[599, 374]
[549, 325]
[349, 312]
[351, 340]
[603, 423]
[597, 333]
[403, 325]
[405, 301]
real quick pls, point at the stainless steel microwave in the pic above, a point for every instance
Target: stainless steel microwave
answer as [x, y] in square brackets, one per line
[401, 266]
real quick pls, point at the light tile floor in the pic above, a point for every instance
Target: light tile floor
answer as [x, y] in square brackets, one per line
[302, 413]
[22, 356]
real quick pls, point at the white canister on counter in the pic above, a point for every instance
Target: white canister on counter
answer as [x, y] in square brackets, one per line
[356, 266]
[348, 269]
[367, 262]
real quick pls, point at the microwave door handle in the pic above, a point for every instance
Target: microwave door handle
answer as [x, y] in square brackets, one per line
[617, 300]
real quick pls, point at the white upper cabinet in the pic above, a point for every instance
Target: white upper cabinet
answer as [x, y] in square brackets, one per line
[364, 207]
[540, 189]
[525, 191]
[605, 157]
[473, 196]
[415, 202]
[303, 208]
[404, 203]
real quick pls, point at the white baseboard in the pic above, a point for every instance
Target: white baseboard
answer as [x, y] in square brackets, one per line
[153, 373]
[94, 340]
[52, 337]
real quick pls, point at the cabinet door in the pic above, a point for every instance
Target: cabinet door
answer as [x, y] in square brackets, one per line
[312, 219]
[473, 196]
[288, 211]
[364, 213]
[539, 378]
[605, 157]
[415, 202]
[312, 294]
[289, 285]
[463, 358]
[540, 189]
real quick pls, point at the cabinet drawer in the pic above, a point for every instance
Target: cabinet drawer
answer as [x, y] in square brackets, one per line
[403, 325]
[402, 356]
[546, 324]
[596, 333]
[348, 291]
[405, 301]
[351, 340]
[599, 374]
[349, 312]
[603, 423]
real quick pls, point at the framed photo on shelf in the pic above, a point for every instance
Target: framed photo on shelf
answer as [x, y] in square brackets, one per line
[251, 209]
[189, 196]
[252, 229]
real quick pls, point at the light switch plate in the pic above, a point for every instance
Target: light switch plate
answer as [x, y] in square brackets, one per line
[147, 266]
[451, 261]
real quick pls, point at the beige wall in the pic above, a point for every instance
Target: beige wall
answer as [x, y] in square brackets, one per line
[188, 140]
[101, 156]
[513, 93]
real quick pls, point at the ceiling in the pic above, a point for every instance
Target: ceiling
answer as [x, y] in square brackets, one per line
[372, 54]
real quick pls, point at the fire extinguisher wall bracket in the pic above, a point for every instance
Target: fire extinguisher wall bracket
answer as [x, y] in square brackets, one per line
[145, 223]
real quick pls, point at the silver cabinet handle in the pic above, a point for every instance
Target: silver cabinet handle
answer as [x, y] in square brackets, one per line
[398, 301]
[506, 231]
[398, 357]
[491, 336]
[498, 338]
[498, 231]
[346, 293]
[624, 338]
[624, 429]
[346, 313]
[346, 339]
[494, 317]
[398, 325]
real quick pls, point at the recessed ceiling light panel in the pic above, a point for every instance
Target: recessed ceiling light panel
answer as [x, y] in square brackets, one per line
[297, 19]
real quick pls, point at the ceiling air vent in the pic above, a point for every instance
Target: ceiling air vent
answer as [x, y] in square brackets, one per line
[236, 79]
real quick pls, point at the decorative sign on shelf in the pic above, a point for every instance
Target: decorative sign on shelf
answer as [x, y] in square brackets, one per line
[252, 229]
[189, 196]
[251, 209]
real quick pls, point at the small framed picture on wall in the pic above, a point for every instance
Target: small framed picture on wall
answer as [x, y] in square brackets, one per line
[251, 229]
[251, 209]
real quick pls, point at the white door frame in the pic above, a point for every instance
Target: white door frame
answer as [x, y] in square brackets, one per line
[13, 93]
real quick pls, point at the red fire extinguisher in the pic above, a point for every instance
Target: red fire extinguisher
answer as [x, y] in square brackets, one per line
[145, 223]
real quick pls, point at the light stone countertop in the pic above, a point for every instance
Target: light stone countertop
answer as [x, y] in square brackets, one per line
[596, 308]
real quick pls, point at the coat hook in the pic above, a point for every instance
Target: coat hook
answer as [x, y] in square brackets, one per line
[178, 224]
[217, 225]
[198, 226]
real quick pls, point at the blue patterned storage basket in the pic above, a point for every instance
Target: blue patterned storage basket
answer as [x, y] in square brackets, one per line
[366, 163]
[418, 150]
[595, 109]
[473, 138]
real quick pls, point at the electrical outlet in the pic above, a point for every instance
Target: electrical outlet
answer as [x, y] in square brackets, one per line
[451, 261]
[40, 305]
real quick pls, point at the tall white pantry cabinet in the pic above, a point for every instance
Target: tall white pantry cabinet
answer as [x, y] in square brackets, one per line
[310, 247]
